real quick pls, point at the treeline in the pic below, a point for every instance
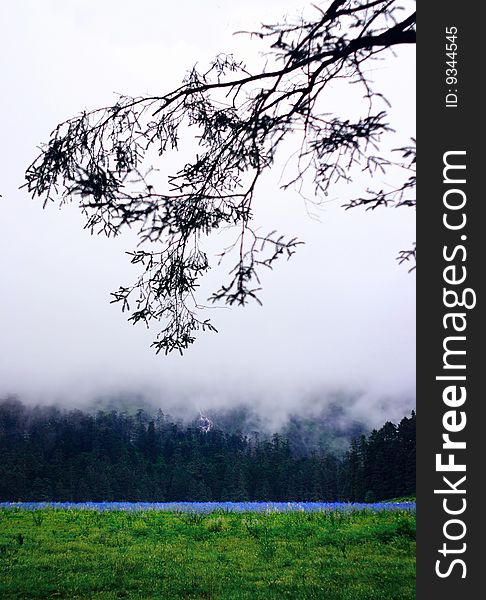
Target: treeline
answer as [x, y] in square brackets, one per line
[58, 455]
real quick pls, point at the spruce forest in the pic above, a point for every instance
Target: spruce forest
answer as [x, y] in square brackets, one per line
[52, 454]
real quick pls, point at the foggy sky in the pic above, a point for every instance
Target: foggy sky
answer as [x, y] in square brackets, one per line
[339, 315]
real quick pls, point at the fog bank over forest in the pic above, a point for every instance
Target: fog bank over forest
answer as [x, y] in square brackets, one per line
[263, 410]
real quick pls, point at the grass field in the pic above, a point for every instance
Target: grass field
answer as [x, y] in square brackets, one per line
[88, 554]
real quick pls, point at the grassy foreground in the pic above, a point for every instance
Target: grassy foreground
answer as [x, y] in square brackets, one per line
[164, 555]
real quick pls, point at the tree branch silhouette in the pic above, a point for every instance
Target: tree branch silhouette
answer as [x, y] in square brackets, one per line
[101, 158]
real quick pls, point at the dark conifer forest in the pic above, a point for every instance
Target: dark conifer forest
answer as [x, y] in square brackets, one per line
[53, 454]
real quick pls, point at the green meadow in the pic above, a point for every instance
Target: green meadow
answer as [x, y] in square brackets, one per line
[141, 555]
